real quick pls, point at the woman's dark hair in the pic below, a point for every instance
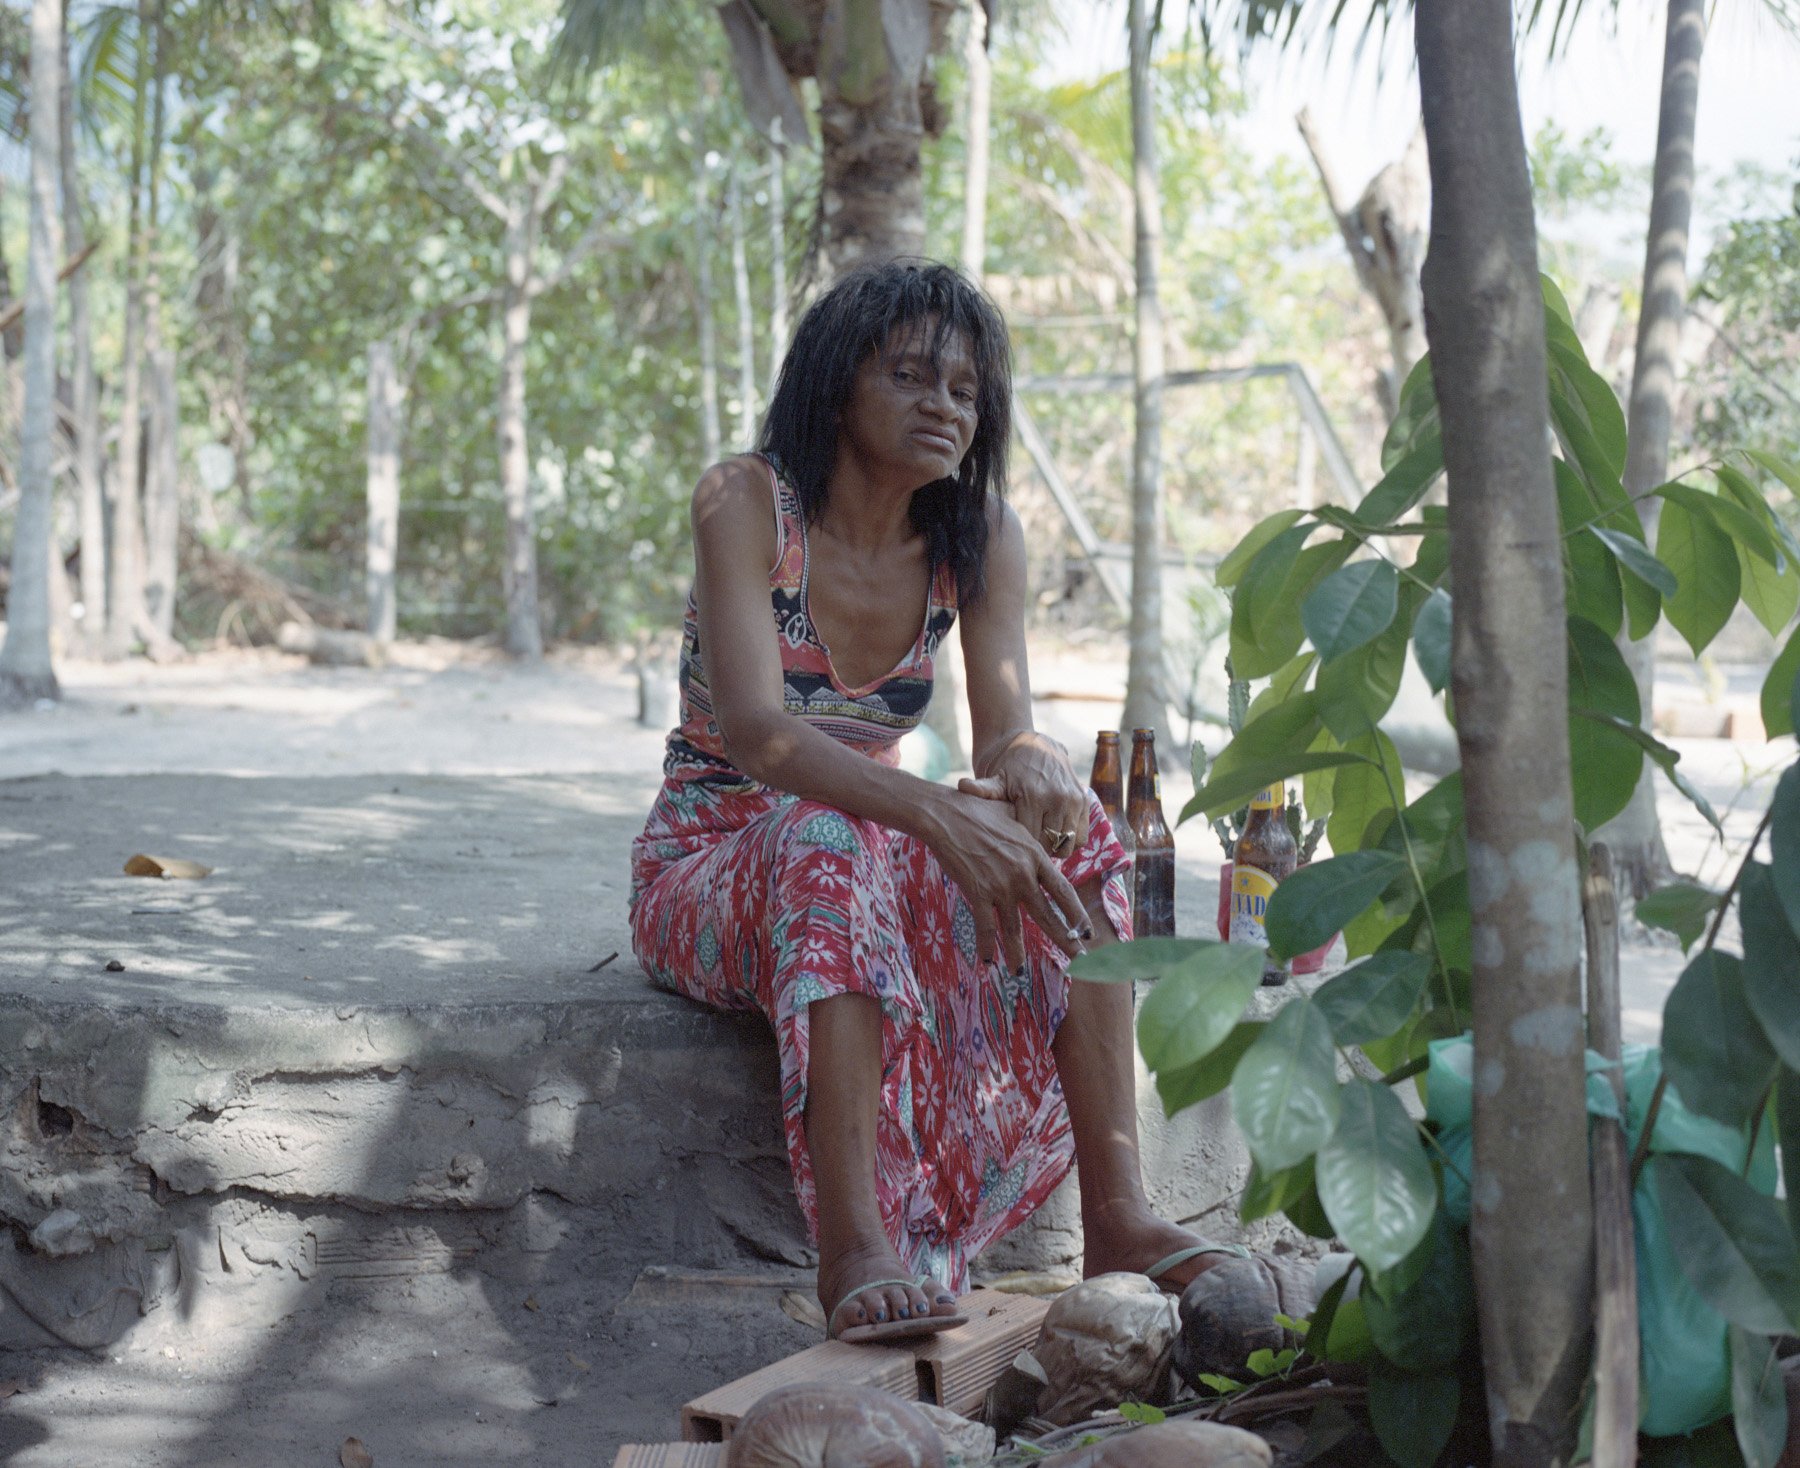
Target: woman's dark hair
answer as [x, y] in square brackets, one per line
[880, 307]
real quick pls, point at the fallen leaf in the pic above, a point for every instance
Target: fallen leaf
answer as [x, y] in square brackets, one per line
[166, 866]
[802, 1308]
[531, 1303]
[354, 1455]
[577, 1362]
[10, 1389]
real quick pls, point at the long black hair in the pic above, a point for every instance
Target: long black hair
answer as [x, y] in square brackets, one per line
[875, 308]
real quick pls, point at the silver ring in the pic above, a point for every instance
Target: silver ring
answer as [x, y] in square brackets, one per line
[1058, 839]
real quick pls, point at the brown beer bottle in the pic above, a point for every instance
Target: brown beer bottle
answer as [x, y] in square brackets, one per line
[1108, 784]
[1265, 854]
[1153, 890]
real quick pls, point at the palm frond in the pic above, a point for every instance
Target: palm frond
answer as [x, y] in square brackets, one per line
[105, 44]
[597, 31]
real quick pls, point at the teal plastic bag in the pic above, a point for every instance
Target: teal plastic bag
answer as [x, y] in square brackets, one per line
[1684, 1370]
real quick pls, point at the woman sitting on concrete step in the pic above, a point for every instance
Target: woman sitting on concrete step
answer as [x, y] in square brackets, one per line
[909, 942]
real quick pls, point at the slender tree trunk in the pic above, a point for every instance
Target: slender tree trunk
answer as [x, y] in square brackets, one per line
[778, 281]
[524, 636]
[26, 671]
[1146, 699]
[1509, 673]
[162, 492]
[976, 133]
[383, 488]
[1636, 834]
[711, 438]
[84, 387]
[126, 615]
[746, 318]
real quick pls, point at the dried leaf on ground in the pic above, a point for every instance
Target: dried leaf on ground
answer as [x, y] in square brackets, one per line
[10, 1389]
[578, 1363]
[531, 1303]
[802, 1308]
[354, 1455]
[166, 866]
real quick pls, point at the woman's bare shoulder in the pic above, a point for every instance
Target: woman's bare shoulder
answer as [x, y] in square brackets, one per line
[734, 505]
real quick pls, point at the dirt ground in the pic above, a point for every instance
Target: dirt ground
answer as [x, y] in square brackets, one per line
[460, 1368]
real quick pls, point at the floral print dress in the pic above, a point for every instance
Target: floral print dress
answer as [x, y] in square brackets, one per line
[744, 897]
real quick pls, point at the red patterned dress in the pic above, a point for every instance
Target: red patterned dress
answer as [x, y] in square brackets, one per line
[744, 897]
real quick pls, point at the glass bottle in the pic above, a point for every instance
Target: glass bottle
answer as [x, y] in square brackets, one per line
[1153, 892]
[1108, 784]
[1265, 855]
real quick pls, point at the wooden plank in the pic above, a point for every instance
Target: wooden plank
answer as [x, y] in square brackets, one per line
[710, 1418]
[959, 1366]
[671, 1455]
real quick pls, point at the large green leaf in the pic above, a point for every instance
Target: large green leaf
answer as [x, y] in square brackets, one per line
[1750, 531]
[1636, 559]
[1779, 688]
[1188, 1085]
[1733, 1243]
[1787, 1122]
[1361, 791]
[1256, 602]
[1590, 573]
[1422, 1326]
[1668, 759]
[1714, 1051]
[1404, 485]
[1681, 908]
[1431, 640]
[1232, 568]
[1704, 560]
[1594, 396]
[1351, 606]
[1195, 1005]
[1416, 415]
[1265, 617]
[1605, 762]
[1284, 1095]
[1355, 691]
[1413, 1414]
[1771, 962]
[1315, 903]
[1436, 829]
[1270, 1192]
[1772, 595]
[1598, 677]
[1283, 684]
[1783, 469]
[1141, 958]
[1759, 1408]
[1228, 791]
[1372, 999]
[1591, 458]
[1376, 1185]
[1737, 485]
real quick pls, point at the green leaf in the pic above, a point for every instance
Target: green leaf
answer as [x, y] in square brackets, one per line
[1284, 683]
[1605, 762]
[1668, 759]
[1374, 998]
[1431, 640]
[1231, 569]
[1740, 488]
[1779, 687]
[1355, 691]
[1424, 1325]
[1598, 403]
[1188, 1085]
[1267, 1192]
[1413, 1415]
[1681, 908]
[1351, 606]
[1759, 1408]
[1141, 958]
[1784, 470]
[1416, 415]
[1284, 1095]
[1598, 677]
[1314, 904]
[1374, 1181]
[1226, 792]
[1404, 485]
[1345, 1330]
[1787, 1134]
[1361, 791]
[1771, 595]
[1194, 1006]
[1771, 962]
[1592, 584]
[1714, 1051]
[1265, 610]
[1437, 830]
[1705, 564]
[1748, 530]
[1733, 1243]
[1636, 559]
[1591, 458]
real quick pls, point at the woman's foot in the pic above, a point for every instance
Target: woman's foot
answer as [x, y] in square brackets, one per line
[857, 1309]
[1137, 1240]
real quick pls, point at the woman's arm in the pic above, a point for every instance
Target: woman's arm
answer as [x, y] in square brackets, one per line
[1013, 762]
[999, 867]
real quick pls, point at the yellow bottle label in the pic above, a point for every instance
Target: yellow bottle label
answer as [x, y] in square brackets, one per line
[1251, 889]
[1273, 798]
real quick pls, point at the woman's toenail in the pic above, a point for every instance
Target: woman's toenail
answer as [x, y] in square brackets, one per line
[904, 1313]
[880, 1315]
[946, 1299]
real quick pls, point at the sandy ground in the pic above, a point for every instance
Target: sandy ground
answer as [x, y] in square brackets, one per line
[431, 1371]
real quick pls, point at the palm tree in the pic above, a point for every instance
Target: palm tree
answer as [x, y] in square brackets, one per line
[26, 671]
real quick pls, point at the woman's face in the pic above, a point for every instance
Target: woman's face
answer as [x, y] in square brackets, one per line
[910, 414]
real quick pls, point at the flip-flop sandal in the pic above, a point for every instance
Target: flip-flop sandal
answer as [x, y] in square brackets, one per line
[1181, 1256]
[890, 1330]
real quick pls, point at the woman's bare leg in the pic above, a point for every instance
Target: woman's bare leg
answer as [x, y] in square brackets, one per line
[1095, 1051]
[843, 1098]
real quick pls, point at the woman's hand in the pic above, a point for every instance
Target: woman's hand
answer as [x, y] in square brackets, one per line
[1033, 775]
[1004, 874]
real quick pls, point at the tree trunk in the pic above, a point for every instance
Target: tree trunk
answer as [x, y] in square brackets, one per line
[711, 438]
[84, 387]
[1635, 835]
[778, 281]
[26, 671]
[1146, 699]
[1509, 673]
[126, 617]
[977, 143]
[162, 501]
[524, 637]
[746, 317]
[383, 489]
